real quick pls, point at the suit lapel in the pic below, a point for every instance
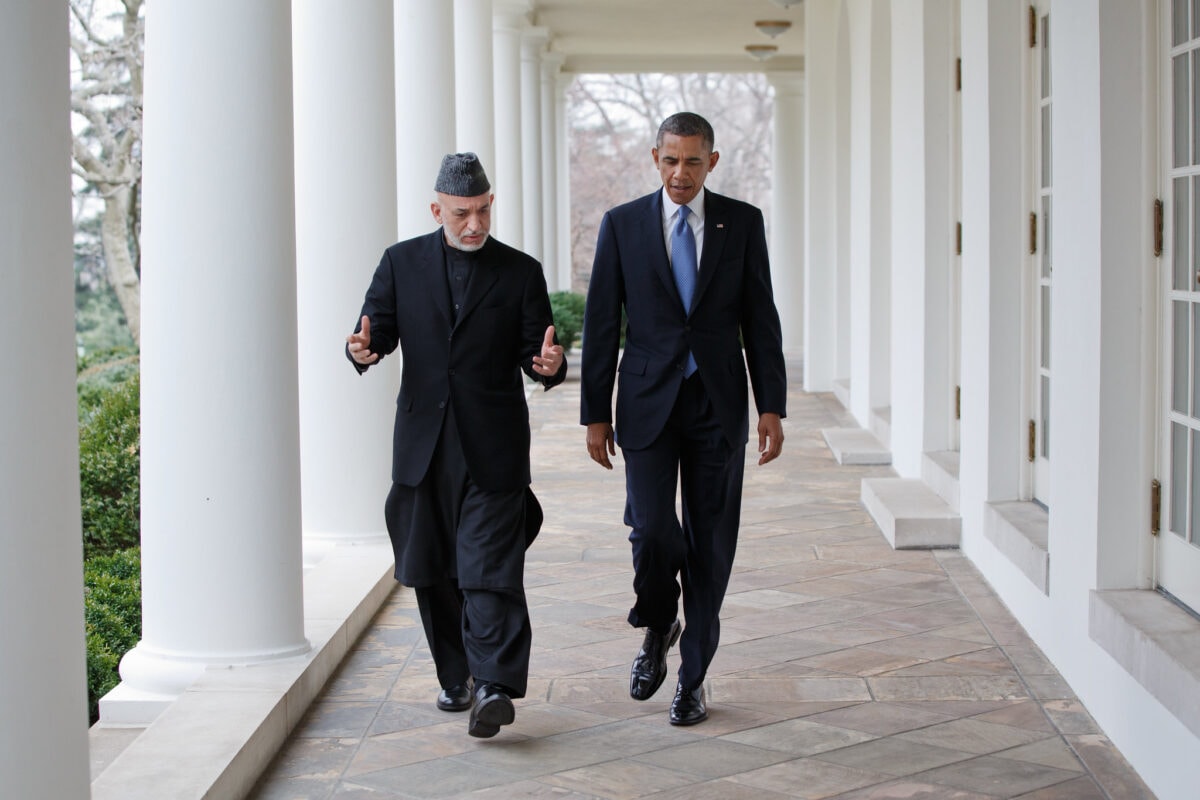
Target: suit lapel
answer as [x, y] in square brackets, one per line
[652, 231]
[715, 231]
[433, 274]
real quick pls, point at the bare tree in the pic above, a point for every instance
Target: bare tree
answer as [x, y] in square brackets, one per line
[613, 120]
[107, 44]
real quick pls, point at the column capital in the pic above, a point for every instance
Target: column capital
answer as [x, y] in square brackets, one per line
[789, 81]
[533, 41]
[511, 16]
[551, 64]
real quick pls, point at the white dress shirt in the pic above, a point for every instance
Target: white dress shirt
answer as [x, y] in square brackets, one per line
[695, 221]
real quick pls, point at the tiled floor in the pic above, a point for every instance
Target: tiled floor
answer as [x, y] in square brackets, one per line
[847, 670]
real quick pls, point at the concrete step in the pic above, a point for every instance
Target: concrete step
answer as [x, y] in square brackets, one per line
[939, 469]
[910, 514]
[856, 446]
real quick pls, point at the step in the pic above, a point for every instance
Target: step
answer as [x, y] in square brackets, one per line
[939, 469]
[910, 514]
[856, 446]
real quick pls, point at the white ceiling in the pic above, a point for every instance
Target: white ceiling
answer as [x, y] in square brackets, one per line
[667, 35]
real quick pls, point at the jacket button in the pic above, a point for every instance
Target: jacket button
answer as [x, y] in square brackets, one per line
[442, 404]
[451, 372]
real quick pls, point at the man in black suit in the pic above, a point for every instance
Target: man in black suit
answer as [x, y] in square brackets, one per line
[682, 404]
[469, 315]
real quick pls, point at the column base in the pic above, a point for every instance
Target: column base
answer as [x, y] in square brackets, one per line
[151, 682]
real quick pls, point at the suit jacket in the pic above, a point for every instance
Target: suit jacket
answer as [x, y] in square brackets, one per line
[733, 296]
[475, 364]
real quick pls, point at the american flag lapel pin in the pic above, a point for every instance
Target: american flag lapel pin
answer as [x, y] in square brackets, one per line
[720, 224]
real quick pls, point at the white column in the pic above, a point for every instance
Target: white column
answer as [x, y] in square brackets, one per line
[993, 203]
[221, 556]
[562, 148]
[870, 209]
[508, 219]
[820, 198]
[43, 724]
[345, 217]
[922, 241]
[551, 63]
[533, 42]
[787, 206]
[424, 48]
[474, 104]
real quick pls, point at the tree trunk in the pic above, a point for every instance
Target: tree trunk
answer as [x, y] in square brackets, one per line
[114, 235]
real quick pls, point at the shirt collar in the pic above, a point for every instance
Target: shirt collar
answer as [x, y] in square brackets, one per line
[696, 206]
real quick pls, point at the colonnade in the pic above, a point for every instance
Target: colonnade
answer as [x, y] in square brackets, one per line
[279, 159]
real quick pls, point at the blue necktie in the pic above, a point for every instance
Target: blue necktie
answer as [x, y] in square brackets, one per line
[683, 263]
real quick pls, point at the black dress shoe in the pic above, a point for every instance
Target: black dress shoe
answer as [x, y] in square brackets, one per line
[650, 667]
[688, 706]
[456, 698]
[493, 708]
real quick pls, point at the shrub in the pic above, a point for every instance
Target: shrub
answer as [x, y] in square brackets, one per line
[97, 374]
[112, 600]
[109, 458]
[567, 308]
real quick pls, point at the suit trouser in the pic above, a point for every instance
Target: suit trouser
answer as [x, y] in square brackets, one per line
[692, 450]
[473, 610]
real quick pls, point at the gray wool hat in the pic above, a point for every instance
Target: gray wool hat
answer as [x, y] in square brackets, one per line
[462, 175]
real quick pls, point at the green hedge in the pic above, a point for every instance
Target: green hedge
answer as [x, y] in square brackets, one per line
[109, 460]
[112, 596]
[567, 308]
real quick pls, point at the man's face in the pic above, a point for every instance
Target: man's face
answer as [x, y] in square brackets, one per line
[465, 220]
[683, 162]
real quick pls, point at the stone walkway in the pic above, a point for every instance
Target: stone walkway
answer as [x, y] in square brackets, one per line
[847, 670]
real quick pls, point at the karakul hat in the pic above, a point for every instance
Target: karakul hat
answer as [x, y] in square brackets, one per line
[462, 175]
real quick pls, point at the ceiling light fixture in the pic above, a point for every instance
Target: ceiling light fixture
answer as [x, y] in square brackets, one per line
[762, 51]
[787, 3]
[772, 27]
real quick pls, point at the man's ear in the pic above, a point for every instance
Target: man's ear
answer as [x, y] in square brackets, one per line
[436, 209]
[654, 154]
[712, 160]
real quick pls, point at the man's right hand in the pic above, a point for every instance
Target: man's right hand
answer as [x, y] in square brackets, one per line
[600, 443]
[359, 344]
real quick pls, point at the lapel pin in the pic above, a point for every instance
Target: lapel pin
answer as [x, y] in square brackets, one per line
[720, 224]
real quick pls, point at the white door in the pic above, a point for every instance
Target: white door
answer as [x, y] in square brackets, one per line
[1177, 552]
[1038, 283]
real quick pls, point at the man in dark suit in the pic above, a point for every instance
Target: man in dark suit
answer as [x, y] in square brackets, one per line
[469, 315]
[682, 404]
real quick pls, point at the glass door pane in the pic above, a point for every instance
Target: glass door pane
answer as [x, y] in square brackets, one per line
[1177, 549]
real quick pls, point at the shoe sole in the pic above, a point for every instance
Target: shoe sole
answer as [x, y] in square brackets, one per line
[489, 715]
[453, 707]
[662, 678]
[684, 722]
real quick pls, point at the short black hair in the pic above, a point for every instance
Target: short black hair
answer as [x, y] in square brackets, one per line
[685, 123]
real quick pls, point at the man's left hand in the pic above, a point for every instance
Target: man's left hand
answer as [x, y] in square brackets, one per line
[770, 437]
[551, 359]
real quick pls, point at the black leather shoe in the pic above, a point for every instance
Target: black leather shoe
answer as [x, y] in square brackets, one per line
[650, 667]
[688, 707]
[493, 708]
[456, 698]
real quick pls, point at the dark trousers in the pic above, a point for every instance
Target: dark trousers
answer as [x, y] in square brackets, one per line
[466, 546]
[476, 633]
[692, 453]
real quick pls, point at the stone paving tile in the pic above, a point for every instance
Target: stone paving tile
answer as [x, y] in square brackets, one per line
[912, 790]
[847, 670]
[997, 776]
[895, 757]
